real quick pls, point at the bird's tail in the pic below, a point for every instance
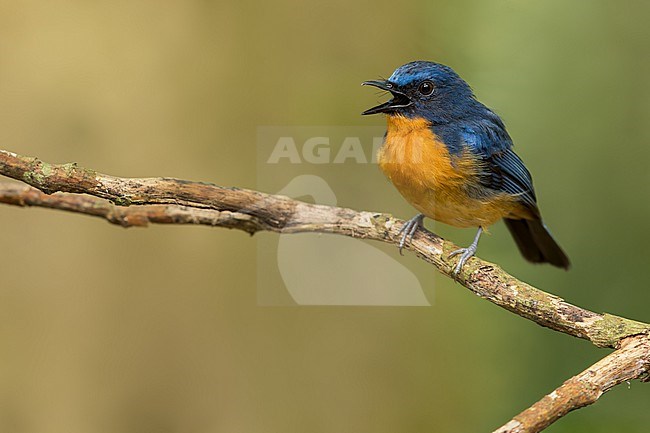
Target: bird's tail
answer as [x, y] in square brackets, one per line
[536, 243]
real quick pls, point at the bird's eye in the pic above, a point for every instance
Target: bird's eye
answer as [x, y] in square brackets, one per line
[426, 88]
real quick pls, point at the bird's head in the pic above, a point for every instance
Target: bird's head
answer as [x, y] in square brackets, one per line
[425, 90]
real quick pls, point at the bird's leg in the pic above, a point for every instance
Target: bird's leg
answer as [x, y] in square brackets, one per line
[408, 230]
[466, 253]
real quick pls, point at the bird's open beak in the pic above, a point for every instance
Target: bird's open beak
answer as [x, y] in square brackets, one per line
[399, 100]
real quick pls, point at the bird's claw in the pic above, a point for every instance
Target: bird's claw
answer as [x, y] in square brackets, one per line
[408, 230]
[465, 254]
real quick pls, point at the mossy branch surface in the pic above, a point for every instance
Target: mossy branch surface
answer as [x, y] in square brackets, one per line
[139, 201]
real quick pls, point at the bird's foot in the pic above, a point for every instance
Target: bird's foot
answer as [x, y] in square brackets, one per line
[465, 254]
[408, 230]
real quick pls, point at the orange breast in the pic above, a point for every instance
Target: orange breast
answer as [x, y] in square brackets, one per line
[435, 182]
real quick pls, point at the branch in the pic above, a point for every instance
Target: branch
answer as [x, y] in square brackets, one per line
[134, 216]
[202, 203]
[174, 201]
[630, 362]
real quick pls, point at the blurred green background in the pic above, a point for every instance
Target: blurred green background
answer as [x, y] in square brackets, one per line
[158, 329]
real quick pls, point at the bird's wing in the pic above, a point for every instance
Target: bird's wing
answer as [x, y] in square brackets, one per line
[502, 170]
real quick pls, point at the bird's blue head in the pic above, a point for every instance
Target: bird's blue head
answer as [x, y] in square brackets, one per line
[426, 90]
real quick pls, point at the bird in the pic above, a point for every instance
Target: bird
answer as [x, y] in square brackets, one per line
[452, 159]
